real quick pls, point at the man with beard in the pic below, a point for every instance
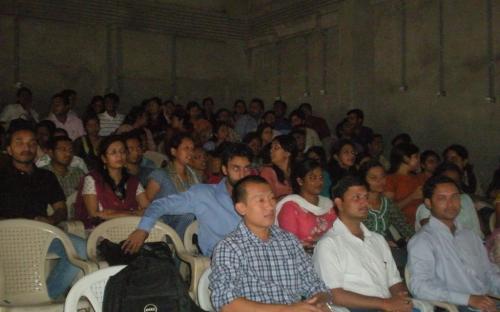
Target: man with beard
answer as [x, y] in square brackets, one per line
[25, 192]
[210, 203]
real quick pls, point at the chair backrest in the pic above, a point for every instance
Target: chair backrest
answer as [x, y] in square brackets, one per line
[117, 230]
[91, 287]
[493, 222]
[23, 249]
[204, 292]
[189, 234]
[158, 158]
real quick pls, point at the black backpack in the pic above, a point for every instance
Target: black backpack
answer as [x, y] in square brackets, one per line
[148, 284]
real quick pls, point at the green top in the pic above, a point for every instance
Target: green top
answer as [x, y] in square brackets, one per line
[380, 220]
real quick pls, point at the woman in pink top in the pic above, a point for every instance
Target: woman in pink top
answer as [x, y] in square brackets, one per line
[283, 153]
[305, 213]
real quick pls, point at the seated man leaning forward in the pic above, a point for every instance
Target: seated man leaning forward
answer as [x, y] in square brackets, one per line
[210, 203]
[357, 263]
[260, 267]
[448, 262]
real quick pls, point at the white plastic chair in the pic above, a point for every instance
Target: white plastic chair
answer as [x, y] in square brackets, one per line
[198, 262]
[204, 292]
[91, 287]
[158, 158]
[444, 305]
[189, 234]
[24, 245]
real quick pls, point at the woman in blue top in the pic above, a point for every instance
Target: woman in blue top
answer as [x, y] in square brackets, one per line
[175, 178]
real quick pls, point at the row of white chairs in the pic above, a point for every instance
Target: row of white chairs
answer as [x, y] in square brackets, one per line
[24, 255]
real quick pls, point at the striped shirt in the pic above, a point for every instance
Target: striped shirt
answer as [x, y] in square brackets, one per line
[109, 124]
[69, 182]
[276, 271]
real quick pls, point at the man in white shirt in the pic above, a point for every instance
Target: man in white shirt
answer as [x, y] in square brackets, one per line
[356, 263]
[22, 109]
[110, 120]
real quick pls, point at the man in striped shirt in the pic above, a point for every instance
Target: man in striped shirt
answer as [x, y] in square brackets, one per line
[110, 119]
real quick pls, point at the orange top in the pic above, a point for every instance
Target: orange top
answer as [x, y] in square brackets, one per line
[403, 186]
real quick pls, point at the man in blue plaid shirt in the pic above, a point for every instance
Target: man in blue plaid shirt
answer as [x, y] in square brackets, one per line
[259, 267]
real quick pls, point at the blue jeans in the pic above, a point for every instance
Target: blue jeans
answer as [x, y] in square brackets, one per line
[63, 274]
[179, 222]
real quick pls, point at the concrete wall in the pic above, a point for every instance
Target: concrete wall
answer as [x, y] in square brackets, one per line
[160, 48]
[334, 54]
[363, 68]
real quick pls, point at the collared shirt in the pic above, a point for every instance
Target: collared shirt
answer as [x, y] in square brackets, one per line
[76, 162]
[15, 111]
[26, 195]
[447, 266]
[467, 217]
[212, 205]
[363, 266]
[276, 271]
[109, 124]
[69, 182]
[379, 220]
[73, 125]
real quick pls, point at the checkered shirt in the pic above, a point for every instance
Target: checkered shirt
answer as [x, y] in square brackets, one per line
[276, 271]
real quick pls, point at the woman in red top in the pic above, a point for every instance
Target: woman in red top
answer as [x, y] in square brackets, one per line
[305, 213]
[109, 191]
[404, 186]
[283, 153]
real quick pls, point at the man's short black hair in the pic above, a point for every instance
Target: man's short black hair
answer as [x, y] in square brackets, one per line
[359, 113]
[113, 97]
[239, 189]
[257, 100]
[229, 150]
[344, 184]
[299, 113]
[18, 125]
[23, 90]
[63, 97]
[52, 144]
[431, 184]
[307, 106]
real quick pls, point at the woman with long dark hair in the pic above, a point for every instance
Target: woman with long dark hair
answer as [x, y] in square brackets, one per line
[306, 213]
[404, 185]
[109, 191]
[459, 155]
[177, 177]
[137, 119]
[278, 173]
[342, 161]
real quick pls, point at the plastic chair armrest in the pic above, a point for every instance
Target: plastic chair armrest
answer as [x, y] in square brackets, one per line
[74, 227]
